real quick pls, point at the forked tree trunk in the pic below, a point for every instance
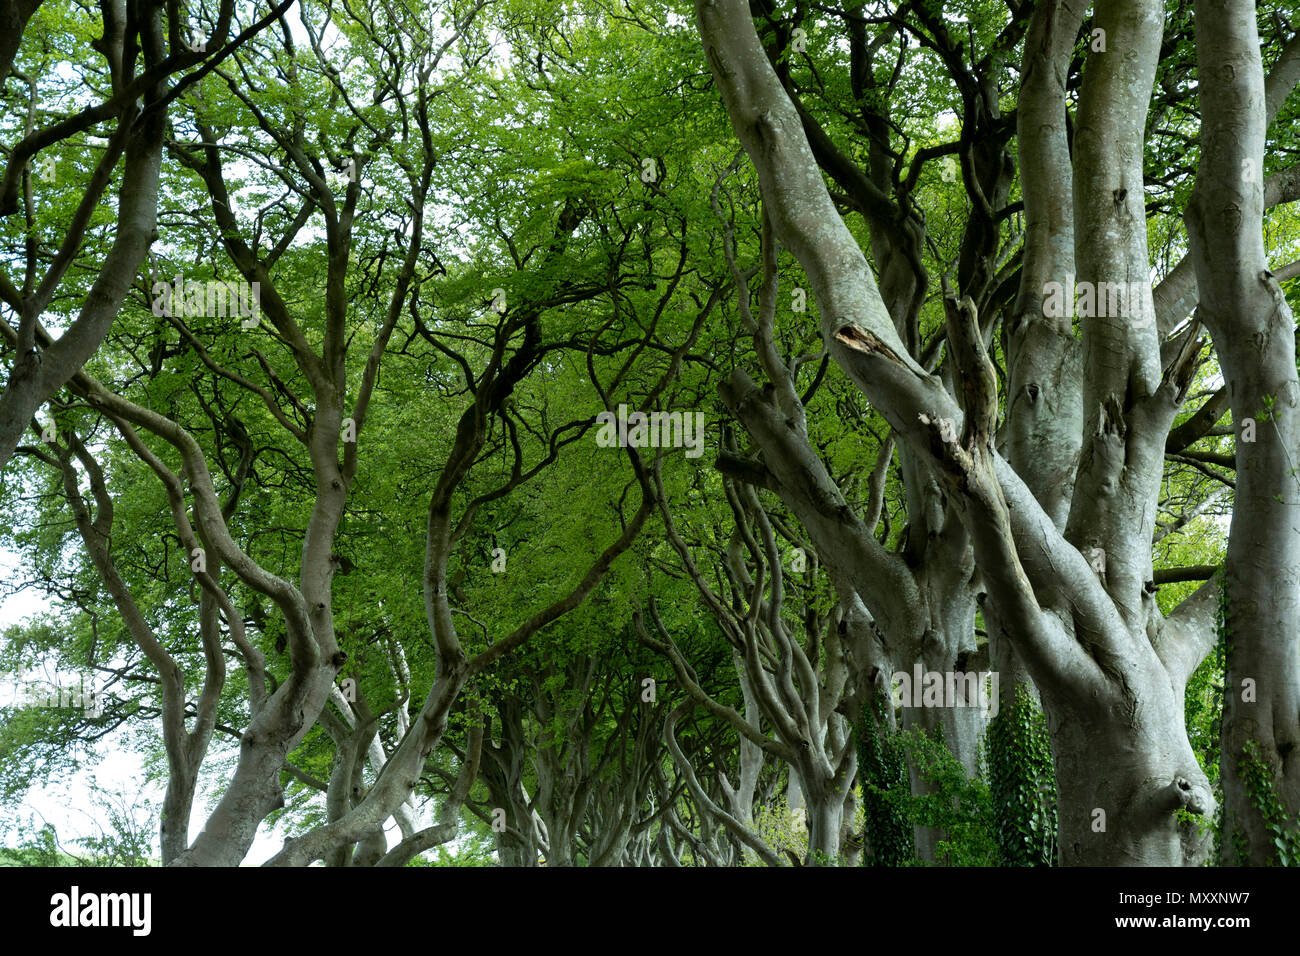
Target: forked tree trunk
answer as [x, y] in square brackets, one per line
[1113, 706]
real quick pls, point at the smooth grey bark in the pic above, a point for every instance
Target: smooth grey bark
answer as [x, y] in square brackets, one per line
[911, 595]
[1176, 295]
[1042, 431]
[926, 611]
[740, 798]
[1254, 334]
[946, 646]
[42, 369]
[185, 749]
[520, 843]
[138, 102]
[740, 829]
[798, 688]
[352, 736]
[448, 816]
[1084, 641]
[1128, 410]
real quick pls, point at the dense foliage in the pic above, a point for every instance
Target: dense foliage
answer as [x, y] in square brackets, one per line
[343, 520]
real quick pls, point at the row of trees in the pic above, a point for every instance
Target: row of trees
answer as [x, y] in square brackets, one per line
[306, 442]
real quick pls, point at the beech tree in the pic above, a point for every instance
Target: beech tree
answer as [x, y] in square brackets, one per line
[1110, 668]
[142, 51]
[957, 343]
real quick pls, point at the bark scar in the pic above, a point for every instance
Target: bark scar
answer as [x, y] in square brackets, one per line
[860, 340]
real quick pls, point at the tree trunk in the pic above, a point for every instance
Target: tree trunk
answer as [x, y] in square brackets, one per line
[1087, 640]
[824, 814]
[1117, 801]
[1254, 335]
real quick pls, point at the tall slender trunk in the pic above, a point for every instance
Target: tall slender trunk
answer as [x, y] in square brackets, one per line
[1254, 335]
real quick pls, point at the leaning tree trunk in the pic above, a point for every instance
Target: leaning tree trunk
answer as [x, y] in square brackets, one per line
[1088, 642]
